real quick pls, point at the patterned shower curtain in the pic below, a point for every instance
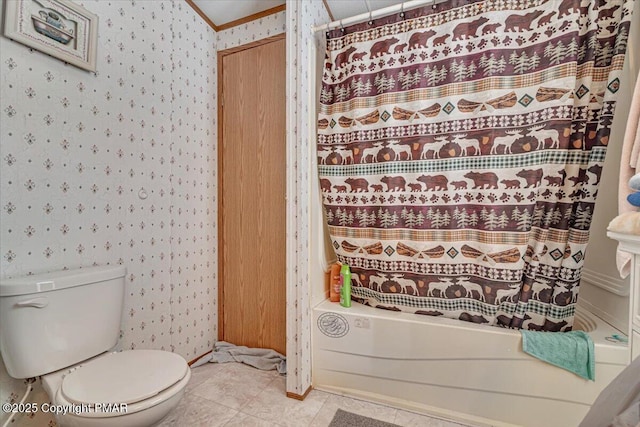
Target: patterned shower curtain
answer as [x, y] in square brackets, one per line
[460, 150]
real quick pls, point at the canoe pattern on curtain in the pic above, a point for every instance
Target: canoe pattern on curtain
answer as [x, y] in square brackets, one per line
[460, 150]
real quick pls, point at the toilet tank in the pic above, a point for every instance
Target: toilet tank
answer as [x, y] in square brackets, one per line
[54, 320]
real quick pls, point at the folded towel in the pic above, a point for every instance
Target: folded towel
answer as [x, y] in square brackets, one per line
[626, 223]
[573, 351]
[261, 358]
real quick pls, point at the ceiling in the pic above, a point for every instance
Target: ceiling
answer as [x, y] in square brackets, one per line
[342, 9]
[222, 12]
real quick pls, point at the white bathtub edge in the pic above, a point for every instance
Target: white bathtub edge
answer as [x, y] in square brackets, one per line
[371, 371]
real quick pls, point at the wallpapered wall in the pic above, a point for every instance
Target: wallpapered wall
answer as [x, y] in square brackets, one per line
[301, 17]
[251, 31]
[78, 147]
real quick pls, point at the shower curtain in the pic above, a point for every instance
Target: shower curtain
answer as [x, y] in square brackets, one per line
[460, 150]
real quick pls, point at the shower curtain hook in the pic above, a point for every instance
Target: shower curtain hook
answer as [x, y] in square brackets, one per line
[341, 26]
[402, 10]
[366, 3]
[434, 6]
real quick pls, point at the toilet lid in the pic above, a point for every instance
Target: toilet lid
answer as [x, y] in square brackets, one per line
[125, 377]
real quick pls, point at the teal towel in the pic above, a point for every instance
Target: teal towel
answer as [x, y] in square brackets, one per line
[572, 351]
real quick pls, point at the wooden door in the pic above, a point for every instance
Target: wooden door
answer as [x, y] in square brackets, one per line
[252, 205]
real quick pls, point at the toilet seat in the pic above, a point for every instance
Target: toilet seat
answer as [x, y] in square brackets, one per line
[139, 378]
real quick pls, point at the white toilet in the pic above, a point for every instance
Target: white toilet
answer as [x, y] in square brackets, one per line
[61, 325]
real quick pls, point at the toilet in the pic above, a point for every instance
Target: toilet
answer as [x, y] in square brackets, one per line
[62, 327]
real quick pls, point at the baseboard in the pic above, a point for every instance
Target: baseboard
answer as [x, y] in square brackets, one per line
[299, 397]
[612, 284]
[199, 357]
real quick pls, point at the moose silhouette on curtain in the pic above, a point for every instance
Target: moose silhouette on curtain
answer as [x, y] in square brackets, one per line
[460, 150]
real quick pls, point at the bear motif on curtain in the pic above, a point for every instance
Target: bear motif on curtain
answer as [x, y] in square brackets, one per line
[460, 150]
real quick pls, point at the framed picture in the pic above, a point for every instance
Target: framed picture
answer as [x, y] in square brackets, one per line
[59, 28]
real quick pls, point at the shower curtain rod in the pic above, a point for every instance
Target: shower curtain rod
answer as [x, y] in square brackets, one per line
[375, 14]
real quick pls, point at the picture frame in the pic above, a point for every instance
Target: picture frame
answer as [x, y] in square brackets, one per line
[59, 28]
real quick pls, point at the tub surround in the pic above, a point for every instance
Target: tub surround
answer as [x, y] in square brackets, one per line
[601, 288]
[631, 244]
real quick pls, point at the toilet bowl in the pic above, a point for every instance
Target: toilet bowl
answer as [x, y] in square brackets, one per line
[88, 384]
[135, 388]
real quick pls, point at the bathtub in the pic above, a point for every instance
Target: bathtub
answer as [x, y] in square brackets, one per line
[475, 374]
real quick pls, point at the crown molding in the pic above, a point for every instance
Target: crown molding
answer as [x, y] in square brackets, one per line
[202, 15]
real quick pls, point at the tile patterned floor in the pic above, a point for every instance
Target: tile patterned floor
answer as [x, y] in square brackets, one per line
[233, 394]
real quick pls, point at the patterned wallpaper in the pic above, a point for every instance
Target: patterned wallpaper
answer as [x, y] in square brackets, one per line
[79, 148]
[302, 15]
[251, 31]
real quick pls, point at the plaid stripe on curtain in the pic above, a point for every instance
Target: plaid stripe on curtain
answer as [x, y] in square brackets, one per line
[460, 150]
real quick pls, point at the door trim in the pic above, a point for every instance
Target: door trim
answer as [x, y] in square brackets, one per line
[221, 55]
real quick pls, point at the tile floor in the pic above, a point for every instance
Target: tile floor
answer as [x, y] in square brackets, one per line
[233, 394]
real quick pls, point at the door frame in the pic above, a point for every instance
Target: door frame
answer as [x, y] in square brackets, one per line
[220, 181]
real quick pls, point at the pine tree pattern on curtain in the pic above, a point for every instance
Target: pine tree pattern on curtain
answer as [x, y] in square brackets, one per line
[460, 150]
